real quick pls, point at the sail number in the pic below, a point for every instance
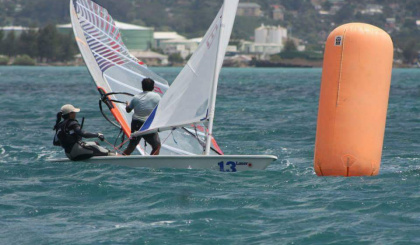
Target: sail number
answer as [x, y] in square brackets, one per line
[228, 167]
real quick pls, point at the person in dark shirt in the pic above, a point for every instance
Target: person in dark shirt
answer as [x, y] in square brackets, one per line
[69, 135]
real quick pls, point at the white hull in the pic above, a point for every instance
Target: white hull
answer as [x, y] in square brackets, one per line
[224, 163]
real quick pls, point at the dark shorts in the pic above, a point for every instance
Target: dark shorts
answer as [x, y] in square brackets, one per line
[152, 139]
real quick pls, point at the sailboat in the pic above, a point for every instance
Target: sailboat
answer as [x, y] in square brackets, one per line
[184, 117]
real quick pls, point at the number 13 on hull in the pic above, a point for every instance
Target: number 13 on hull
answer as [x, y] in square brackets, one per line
[223, 163]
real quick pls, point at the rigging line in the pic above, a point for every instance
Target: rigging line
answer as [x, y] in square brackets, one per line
[167, 137]
[119, 151]
[128, 58]
[201, 142]
[123, 143]
[118, 136]
[196, 135]
[173, 137]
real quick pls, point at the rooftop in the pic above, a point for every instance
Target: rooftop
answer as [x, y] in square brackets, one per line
[147, 54]
[249, 5]
[184, 41]
[168, 35]
[264, 27]
[16, 28]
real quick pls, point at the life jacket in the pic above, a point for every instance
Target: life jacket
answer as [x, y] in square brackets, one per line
[65, 135]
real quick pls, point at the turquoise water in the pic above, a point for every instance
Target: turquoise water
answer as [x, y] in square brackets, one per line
[259, 111]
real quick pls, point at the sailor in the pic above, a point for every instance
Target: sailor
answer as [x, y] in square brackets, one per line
[143, 104]
[69, 135]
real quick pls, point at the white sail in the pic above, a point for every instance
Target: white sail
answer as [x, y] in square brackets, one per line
[191, 97]
[114, 69]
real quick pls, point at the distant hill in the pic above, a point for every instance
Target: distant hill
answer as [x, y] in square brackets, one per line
[309, 20]
[191, 17]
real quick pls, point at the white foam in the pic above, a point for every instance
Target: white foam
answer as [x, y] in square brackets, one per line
[164, 222]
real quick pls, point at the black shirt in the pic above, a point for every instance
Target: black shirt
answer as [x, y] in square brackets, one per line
[69, 133]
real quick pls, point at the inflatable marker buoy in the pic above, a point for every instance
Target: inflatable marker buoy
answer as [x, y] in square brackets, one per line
[356, 79]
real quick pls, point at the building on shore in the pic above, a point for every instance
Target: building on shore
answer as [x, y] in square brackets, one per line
[270, 34]
[134, 37]
[160, 37]
[238, 60]
[249, 9]
[278, 12]
[183, 47]
[372, 9]
[260, 50]
[150, 58]
[268, 40]
[17, 30]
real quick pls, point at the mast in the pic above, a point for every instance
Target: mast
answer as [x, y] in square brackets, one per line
[213, 95]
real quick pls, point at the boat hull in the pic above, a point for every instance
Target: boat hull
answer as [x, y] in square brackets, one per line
[223, 163]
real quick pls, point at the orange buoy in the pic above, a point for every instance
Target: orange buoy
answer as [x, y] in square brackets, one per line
[356, 79]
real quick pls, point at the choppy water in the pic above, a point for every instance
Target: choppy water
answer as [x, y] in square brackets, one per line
[259, 111]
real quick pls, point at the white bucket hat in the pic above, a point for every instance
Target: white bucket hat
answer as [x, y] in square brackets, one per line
[66, 109]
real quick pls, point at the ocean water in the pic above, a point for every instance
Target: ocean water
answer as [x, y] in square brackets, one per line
[259, 111]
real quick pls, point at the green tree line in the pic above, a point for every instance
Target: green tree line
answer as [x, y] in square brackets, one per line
[45, 44]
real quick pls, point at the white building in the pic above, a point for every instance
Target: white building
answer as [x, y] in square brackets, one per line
[17, 30]
[372, 9]
[268, 40]
[150, 58]
[184, 47]
[263, 50]
[160, 37]
[270, 34]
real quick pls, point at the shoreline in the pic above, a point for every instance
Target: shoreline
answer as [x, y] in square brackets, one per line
[295, 63]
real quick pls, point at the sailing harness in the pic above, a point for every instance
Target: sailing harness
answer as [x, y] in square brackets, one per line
[105, 99]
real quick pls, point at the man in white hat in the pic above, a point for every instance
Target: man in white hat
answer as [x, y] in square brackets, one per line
[69, 135]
